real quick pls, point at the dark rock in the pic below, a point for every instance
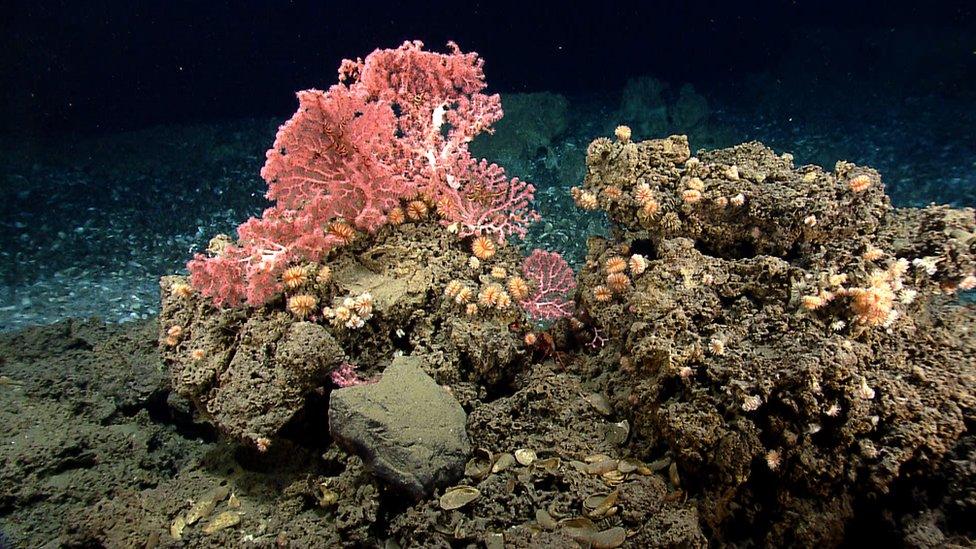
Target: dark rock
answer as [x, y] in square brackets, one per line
[408, 430]
[254, 377]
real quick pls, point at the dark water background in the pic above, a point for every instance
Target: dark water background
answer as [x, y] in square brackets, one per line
[132, 131]
[101, 65]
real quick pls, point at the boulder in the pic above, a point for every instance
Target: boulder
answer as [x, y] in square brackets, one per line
[408, 430]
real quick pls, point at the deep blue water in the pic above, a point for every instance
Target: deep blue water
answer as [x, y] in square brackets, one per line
[133, 131]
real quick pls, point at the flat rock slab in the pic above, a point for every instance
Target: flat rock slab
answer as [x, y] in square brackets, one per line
[408, 430]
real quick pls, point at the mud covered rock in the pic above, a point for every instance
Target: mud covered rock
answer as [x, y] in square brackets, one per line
[407, 429]
[252, 385]
[82, 414]
[272, 371]
[484, 345]
[286, 495]
[743, 200]
[573, 427]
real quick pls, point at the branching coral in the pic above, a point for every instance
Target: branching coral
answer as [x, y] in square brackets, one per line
[397, 126]
[552, 281]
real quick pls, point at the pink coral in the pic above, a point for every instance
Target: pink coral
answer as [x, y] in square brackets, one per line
[442, 110]
[489, 203]
[250, 270]
[221, 278]
[336, 158]
[397, 125]
[553, 282]
[346, 376]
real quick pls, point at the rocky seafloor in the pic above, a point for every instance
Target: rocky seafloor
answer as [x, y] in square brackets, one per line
[764, 352]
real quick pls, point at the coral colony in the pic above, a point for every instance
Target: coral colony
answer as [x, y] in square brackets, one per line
[791, 337]
[385, 237]
[388, 142]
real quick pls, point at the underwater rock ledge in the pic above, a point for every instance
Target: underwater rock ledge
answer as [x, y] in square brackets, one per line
[794, 341]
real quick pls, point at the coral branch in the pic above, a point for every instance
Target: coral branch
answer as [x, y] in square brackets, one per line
[396, 125]
[553, 283]
[490, 203]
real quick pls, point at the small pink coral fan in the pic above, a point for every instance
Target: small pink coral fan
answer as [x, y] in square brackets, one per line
[553, 282]
[346, 376]
[397, 125]
[489, 203]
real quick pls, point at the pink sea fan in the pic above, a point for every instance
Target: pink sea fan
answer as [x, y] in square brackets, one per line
[441, 110]
[440, 105]
[250, 270]
[335, 159]
[397, 125]
[553, 283]
[346, 376]
[487, 202]
[219, 278]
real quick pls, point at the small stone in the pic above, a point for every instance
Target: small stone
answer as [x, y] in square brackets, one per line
[222, 521]
[617, 433]
[600, 404]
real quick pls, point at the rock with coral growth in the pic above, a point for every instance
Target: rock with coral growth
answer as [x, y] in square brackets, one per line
[248, 377]
[382, 295]
[745, 196]
[408, 430]
[792, 338]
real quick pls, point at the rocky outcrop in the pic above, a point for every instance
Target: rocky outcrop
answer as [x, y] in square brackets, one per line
[791, 337]
[250, 371]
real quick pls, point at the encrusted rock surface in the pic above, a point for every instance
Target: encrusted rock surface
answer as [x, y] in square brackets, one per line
[250, 371]
[408, 429]
[793, 339]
